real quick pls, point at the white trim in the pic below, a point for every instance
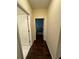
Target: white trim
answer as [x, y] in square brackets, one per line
[30, 34]
[50, 52]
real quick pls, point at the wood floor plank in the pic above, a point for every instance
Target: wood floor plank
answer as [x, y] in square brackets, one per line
[39, 50]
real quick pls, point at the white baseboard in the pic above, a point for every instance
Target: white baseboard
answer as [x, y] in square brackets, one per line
[49, 50]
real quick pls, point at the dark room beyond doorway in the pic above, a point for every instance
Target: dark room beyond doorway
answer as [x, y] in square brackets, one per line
[39, 28]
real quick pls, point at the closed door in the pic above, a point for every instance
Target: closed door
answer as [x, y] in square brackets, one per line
[23, 29]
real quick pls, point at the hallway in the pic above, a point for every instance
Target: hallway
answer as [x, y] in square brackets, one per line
[47, 45]
[39, 50]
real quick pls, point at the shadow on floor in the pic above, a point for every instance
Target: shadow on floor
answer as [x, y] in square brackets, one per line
[39, 50]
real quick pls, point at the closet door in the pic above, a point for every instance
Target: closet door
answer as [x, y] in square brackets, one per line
[23, 29]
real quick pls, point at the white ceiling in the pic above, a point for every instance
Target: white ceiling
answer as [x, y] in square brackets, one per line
[36, 4]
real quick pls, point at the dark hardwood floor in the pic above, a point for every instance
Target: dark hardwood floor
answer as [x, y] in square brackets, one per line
[39, 50]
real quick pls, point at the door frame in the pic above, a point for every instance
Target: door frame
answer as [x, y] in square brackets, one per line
[35, 25]
[43, 23]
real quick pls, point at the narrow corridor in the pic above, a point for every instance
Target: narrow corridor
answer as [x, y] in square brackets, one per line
[39, 50]
[38, 38]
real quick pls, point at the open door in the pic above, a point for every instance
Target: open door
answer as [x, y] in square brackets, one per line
[39, 28]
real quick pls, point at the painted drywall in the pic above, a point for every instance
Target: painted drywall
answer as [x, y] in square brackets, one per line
[59, 47]
[25, 5]
[20, 12]
[53, 27]
[59, 50]
[39, 4]
[39, 13]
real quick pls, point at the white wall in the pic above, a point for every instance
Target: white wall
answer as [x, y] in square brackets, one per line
[59, 47]
[59, 50]
[25, 5]
[39, 13]
[53, 27]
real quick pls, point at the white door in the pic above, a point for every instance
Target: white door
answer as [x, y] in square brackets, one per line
[23, 29]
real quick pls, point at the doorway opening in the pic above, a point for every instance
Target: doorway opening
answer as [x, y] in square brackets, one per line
[39, 28]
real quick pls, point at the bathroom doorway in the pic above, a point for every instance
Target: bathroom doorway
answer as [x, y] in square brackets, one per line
[39, 28]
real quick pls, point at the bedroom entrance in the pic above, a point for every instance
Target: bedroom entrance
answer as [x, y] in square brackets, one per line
[39, 28]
